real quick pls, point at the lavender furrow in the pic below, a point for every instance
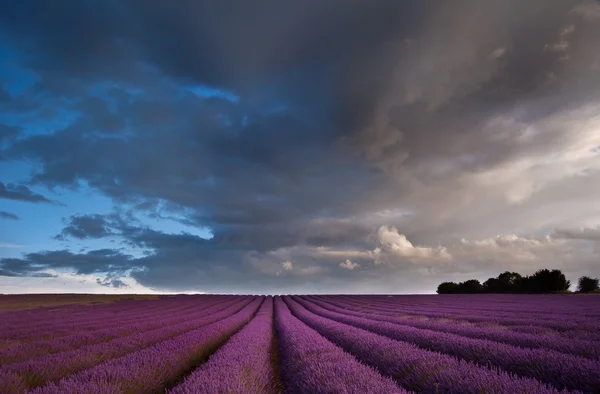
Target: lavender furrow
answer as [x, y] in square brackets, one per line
[414, 368]
[314, 343]
[530, 308]
[53, 367]
[61, 327]
[310, 363]
[99, 313]
[536, 305]
[242, 365]
[47, 316]
[77, 340]
[501, 318]
[579, 348]
[151, 369]
[557, 369]
[571, 329]
[43, 315]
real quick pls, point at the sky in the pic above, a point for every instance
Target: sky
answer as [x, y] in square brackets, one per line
[277, 147]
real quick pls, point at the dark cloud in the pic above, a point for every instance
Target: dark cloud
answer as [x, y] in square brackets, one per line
[97, 117]
[184, 261]
[4, 272]
[295, 130]
[27, 274]
[86, 226]
[587, 234]
[4, 96]
[456, 77]
[21, 193]
[8, 134]
[8, 216]
[112, 280]
[96, 261]
[13, 267]
[259, 43]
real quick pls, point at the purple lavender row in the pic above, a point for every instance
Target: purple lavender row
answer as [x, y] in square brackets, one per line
[569, 328]
[47, 315]
[43, 313]
[552, 317]
[42, 338]
[60, 325]
[151, 369]
[526, 309]
[457, 311]
[242, 365]
[475, 305]
[492, 302]
[111, 331]
[566, 328]
[586, 349]
[558, 369]
[64, 326]
[414, 368]
[53, 367]
[11, 382]
[310, 363]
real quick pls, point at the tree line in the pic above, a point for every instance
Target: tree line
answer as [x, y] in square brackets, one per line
[542, 281]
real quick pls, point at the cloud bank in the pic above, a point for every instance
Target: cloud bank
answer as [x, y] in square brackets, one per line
[342, 146]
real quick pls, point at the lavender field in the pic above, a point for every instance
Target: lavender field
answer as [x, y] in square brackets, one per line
[303, 344]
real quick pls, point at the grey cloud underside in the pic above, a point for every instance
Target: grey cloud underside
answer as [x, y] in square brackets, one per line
[443, 119]
[8, 215]
[589, 234]
[28, 274]
[112, 280]
[8, 134]
[21, 193]
[85, 226]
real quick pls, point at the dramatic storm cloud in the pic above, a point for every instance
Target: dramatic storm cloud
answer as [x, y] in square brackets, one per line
[279, 146]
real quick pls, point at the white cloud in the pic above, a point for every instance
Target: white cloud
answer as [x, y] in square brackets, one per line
[524, 254]
[572, 251]
[349, 265]
[505, 249]
[396, 244]
[328, 252]
[389, 253]
[68, 282]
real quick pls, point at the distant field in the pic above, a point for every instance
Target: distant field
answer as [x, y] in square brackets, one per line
[11, 302]
[299, 344]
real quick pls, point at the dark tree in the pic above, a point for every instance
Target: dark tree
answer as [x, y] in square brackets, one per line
[493, 285]
[587, 284]
[509, 282]
[471, 286]
[545, 281]
[506, 282]
[447, 288]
